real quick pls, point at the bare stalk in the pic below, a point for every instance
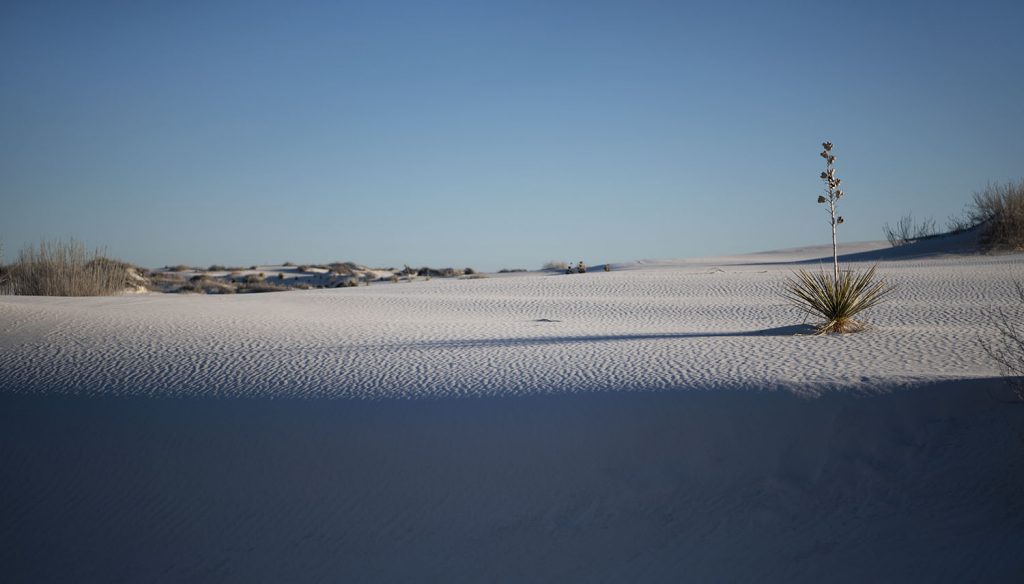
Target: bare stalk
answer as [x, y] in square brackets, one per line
[832, 195]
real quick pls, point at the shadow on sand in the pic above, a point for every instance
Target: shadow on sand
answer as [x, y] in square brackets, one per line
[783, 331]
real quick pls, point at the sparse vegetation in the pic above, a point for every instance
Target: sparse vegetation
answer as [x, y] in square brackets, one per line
[261, 286]
[1007, 349]
[1001, 208]
[838, 298]
[556, 265]
[907, 230]
[468, 271]
[511, 270]
[65, 268]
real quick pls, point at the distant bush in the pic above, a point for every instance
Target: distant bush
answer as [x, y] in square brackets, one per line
[65, 268]
[259, 287]
[288, 264]
[906, 230]
[468, 271]
[343, 268]
[1001, 208]
[207, 286]
[252, 279]
[553, 265]
[511, 271]
[216, 268]
[179, 268]
[439, 272]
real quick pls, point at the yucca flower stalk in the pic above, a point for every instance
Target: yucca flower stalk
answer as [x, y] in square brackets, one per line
[838, 297]
[832, 195]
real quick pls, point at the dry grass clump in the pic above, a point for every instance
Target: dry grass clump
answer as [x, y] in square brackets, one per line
[429, 272]
[836, 302]
[907, 230]
[1001, 207]
[261, 287]
[204, 285]
[1007, 349]
[65, 268]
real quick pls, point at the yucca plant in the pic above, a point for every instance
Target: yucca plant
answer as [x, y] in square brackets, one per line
[836, 301]
[838, 297]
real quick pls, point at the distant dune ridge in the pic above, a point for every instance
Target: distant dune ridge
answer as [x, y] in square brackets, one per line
[664, 421]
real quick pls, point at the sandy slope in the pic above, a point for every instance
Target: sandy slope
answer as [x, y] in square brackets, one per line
[889, 455]
[697, 325]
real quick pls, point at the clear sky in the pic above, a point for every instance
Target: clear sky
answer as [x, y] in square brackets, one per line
[494, 134]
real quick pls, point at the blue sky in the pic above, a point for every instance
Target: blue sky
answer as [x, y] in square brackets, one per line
[494, 134]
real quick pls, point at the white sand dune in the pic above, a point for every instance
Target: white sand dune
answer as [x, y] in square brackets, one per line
[697, 325]
[580, 451]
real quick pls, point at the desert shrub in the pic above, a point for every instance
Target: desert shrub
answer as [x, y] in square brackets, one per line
[1001, 207]
[216, 268]
[838, 297]
[179, 268]
[343, 268]
[468, 271]
[280, 276]
[906, 230]
[394, 278]
[65, 268]
[1007, 346]
[511, 270]
[555, 265]
[288, 265]
[959, 224]
[253, 279]
[259, 287]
